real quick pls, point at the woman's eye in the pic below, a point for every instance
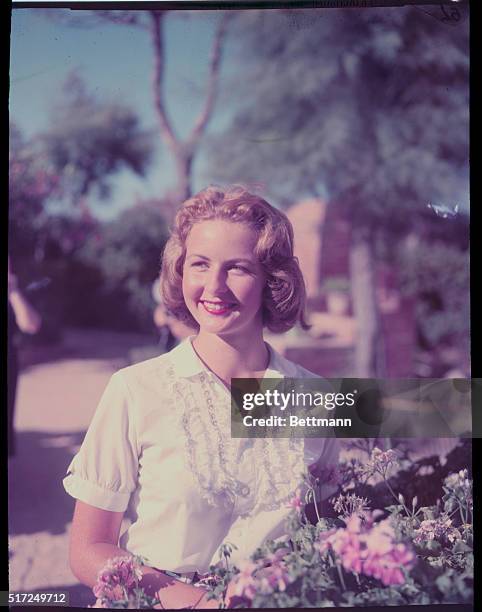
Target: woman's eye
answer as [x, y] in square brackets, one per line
[240, 269]
[199, 264]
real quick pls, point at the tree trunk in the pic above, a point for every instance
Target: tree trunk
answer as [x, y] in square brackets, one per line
[362, 271]
[183, 152]
[183, 189]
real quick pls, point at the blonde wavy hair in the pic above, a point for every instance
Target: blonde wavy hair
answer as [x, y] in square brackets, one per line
[284, 296]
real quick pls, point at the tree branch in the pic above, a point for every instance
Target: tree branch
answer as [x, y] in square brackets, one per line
[212, 86]
[158, 44]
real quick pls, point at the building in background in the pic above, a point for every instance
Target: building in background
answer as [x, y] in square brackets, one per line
[322, 245]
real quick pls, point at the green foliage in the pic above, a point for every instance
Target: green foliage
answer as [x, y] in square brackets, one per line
[361, 105]
[127, 255]
[99, 276]
[32, 183]
[303, 572]
[437, 275]
[89, 140]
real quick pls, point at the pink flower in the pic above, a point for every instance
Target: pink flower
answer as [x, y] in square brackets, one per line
[296, 502]
[354, 523]
[245, 583]
[253, 578]
[275, 577]
[387, 567]
[116, 578]
[351, 556]
[379, 540]
[367, 548]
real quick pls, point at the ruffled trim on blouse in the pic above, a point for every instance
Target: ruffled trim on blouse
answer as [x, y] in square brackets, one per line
[213, 456]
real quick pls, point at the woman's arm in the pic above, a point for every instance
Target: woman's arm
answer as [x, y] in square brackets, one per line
[93, 541]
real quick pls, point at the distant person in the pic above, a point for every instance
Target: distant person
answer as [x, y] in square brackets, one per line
[167, 340]
[23, 317]
[171, 331]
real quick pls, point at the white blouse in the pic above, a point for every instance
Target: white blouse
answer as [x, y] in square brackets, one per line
[159, 448]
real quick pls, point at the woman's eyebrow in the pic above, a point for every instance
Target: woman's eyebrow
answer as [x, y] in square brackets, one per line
[194, 255]
[241, 260]
[229, 261]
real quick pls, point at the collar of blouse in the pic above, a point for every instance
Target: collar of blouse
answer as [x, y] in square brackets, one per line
[186, 363]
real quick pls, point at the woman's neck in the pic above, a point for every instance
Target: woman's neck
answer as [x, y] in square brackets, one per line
[229, 358]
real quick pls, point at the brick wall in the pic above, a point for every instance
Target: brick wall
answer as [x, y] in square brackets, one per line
[322, 241]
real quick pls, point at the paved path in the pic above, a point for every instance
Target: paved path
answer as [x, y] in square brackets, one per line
[58, 391]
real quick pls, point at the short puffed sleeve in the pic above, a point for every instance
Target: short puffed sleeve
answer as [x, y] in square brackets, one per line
[104, 471]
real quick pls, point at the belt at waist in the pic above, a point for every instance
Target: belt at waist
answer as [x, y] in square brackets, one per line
[187, 577]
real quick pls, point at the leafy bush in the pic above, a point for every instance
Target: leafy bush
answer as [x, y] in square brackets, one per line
[401, 554]
[437, 274]
[127, 256]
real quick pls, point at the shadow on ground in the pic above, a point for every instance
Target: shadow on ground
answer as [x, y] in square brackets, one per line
[37, 500]
[89, 344]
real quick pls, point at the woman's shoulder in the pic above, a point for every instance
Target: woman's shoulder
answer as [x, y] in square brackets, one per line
[154, 369]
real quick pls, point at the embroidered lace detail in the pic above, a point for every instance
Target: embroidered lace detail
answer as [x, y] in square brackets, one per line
[279, 473]
[271, 469]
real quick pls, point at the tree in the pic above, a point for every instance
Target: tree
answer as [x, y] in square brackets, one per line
[89, 140]
[364, 106]
[153, 23]
[32, 182]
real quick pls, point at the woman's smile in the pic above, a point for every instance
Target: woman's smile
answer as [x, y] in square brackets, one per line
[217, 308]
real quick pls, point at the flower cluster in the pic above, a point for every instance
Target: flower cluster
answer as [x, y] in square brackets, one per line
[458, 479]
[116, 579]
[379, 463]
[350, 504]
[436, 529]
[460, 484]
[264, 576]
[367, 548]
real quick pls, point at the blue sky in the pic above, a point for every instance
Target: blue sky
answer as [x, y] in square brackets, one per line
[116, 62]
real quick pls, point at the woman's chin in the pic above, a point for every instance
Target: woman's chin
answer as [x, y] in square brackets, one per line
[226, 324]
[214, 327]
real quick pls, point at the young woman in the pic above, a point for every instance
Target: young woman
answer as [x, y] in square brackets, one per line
[159, 447]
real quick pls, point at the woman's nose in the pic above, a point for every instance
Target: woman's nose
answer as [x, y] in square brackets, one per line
[216, 281]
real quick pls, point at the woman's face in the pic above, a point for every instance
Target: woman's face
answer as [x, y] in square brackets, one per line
[223, 281]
